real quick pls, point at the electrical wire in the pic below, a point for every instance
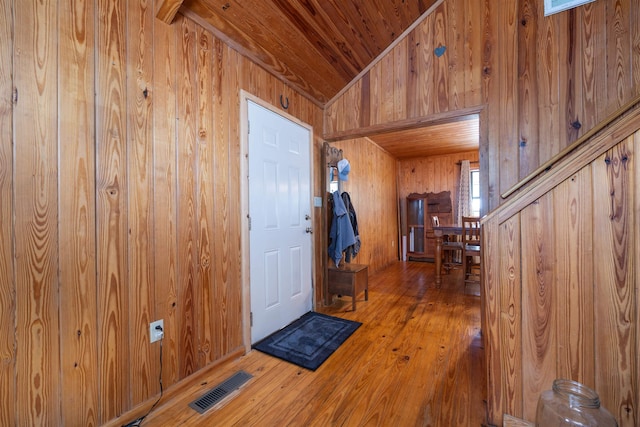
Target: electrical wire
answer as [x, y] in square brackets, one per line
[138, 422]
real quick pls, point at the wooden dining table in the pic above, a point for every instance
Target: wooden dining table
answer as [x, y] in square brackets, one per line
[439, 232]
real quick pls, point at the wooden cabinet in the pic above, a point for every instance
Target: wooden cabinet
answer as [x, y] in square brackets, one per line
[416, 227]
[421, 208]
[349, 280]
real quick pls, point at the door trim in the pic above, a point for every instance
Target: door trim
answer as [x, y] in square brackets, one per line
[245, 276]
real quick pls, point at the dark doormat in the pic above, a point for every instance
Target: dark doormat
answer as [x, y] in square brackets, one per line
[308, 341]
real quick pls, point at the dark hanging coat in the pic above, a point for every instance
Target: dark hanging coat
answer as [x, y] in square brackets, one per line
[341, 235]
[351, 251]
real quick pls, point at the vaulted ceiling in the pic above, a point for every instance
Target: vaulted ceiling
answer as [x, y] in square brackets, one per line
[316, 46]
[319, 47]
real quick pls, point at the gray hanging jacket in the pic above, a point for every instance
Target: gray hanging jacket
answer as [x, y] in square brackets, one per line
[341, 235]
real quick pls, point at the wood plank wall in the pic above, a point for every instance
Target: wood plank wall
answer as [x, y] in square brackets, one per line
[119, 184]
[378, 183]
[119, 204]
[372, 188]
[433, 174]
[542, 83]
[7, 270]
[562, 295]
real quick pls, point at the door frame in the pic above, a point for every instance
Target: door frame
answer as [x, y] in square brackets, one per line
[245, 276]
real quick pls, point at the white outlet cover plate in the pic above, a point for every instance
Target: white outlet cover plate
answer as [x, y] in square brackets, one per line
[154, 334]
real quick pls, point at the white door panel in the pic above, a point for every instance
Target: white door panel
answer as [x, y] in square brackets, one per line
[280, 211]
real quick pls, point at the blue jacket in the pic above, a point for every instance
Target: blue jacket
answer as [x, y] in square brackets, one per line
[341, 235]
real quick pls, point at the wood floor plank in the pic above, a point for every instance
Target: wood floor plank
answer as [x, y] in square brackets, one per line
[416, 360]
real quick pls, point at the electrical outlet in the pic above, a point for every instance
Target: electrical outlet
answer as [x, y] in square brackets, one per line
[156, 330]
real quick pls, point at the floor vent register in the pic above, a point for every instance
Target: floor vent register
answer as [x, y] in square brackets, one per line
[220, 392]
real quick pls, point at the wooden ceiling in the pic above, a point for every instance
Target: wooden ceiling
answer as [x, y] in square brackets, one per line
[444, 138]
[316, 46]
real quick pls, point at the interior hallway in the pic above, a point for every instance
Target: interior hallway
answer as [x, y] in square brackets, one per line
[417, 360]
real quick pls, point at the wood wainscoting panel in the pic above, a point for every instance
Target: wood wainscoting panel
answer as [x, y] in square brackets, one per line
[508, 378]
[139, 146]
[38, 393]
[7, 273]
[573, 235]
[77, 207]
[615, 281]
[574, 283]
[528, 94]
[165, 193]
[539, 316]
[226, 319]
[187, 220]
[636, 261]
[221, 200]
[112, 211]
[205, 196]
[120, 181]
[228, 304]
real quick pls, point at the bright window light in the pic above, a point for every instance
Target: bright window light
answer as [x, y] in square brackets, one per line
[474, 190]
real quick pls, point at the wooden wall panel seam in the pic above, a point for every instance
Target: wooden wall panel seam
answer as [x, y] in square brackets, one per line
[36, 214]
[111, 210]
[205, 307]
[223, 189]
[186, 210]
[613, 214]
[509, 310]
[8, 399]
[165, 194]
[77, 207]
[143, 378]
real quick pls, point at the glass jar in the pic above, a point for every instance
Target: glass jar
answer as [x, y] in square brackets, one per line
[571, 404]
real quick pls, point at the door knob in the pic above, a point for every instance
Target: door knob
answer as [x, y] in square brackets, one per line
[309, 230]
[307, 217]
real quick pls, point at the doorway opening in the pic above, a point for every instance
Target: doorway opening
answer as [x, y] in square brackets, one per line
[276, 203]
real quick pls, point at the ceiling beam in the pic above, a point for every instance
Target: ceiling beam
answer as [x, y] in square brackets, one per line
[168, 9]
[411, 123]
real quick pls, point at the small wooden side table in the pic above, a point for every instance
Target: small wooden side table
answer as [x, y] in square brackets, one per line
[350, 280]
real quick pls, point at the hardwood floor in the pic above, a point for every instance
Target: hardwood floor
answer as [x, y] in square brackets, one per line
[417, 360]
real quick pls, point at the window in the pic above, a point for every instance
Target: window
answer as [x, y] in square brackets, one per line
[554, 6]
[474, 190]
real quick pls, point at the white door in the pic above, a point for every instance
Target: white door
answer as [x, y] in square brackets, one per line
[280, 214]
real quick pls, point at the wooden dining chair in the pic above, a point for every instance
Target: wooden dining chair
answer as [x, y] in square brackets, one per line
[471, 249]
[451, 249]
